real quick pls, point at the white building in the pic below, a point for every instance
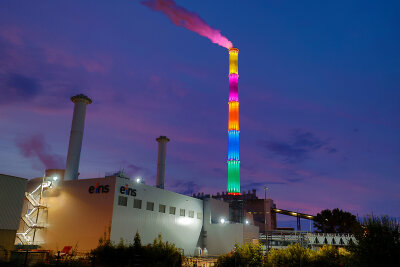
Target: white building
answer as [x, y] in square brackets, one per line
[80, 212]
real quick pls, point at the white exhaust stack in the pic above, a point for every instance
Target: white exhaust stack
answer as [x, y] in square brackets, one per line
[162, 150]
[75, 139]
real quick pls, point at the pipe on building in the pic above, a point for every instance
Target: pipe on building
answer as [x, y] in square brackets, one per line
[162, 150]
[75, 139]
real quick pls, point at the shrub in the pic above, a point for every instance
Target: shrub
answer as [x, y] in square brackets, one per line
[249, 255]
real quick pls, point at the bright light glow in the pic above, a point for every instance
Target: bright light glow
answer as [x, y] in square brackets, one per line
[138, 180]
[247, 222]
[278, 210]
[294, 213]
[183, 221]
[55, 178]
[222, 220]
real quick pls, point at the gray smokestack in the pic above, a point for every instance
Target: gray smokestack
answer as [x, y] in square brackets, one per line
[75, 139]
[162, 150]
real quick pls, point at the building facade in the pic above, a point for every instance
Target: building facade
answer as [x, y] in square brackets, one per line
[80, 212]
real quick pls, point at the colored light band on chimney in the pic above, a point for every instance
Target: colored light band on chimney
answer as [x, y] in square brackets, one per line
[233, 125]
[233, 60]
[233, 116]
[233, 149]
[233, 177]
[233, 87]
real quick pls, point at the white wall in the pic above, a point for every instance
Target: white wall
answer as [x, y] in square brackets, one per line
[184, 232]
[221, 238]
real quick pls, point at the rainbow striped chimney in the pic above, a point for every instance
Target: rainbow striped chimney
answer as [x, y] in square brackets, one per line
[233, 125]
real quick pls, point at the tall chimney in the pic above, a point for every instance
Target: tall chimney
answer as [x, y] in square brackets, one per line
[162, 150]
[75, 139]
[233, 125]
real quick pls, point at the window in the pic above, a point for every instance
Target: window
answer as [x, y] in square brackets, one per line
[199, 215]
[137, 203]
[182, 212]
[150, 206]
[161, 208]
[122, 201]
[191, 213]
[172, 210]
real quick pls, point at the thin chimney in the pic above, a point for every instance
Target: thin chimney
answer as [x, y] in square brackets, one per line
[162, 150]
[75, 139]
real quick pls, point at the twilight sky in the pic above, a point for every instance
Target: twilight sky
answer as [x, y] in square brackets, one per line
[318, 87]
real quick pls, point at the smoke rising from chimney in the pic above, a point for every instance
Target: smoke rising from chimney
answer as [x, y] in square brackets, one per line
[190, 20]
[36, 147]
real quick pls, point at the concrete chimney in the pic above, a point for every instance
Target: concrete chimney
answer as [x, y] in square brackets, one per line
[75, 139]
[162, 150]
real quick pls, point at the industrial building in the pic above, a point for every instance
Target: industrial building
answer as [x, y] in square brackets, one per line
[80, 212]
[61, 210]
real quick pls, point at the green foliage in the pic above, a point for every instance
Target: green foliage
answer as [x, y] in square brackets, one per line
[295, 255]
[378, 243]
[162, 254]
[249, 255]
[336, 221]
[157, 254]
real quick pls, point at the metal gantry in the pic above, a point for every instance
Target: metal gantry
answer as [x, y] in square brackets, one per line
[281, 239]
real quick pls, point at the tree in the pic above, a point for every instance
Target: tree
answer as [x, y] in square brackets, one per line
[378, 242]
[137, 242]
[336, 221]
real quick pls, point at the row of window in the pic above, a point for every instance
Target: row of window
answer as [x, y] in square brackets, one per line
[137, 204]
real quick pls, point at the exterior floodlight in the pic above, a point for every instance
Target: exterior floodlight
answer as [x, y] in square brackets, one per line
[55, 178]
[222, 220]
[138, 180]
[247, 221]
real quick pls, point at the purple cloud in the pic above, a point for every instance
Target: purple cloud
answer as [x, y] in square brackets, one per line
[299, 147]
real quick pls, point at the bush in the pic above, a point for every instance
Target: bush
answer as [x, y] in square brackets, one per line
[246, 255]
[295, 255]
[156, 254]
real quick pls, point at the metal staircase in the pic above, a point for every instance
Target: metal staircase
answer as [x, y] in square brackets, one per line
[30, 219]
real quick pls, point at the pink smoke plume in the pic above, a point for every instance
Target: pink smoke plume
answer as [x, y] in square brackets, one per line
[190, 20]
[36, 147]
